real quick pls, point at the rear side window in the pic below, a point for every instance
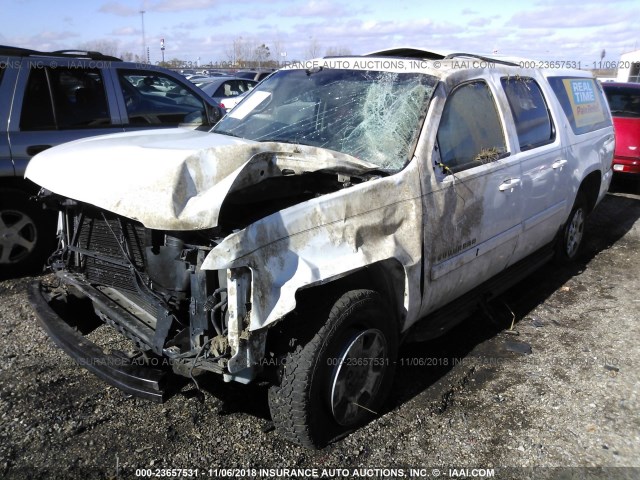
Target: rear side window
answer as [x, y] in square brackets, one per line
[233, 88]
[530, 112]
[583, 103]
[624, 101]
[470, 132]
[64, 98]
[37, 108]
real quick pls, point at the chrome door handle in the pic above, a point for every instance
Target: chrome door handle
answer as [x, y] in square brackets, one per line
[509, 184]
[558, 164]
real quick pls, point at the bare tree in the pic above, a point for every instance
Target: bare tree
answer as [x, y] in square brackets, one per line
[340, 51]
[173, 63]
[231, 51]
[104, 46]
[313, 48]
[262, 54]
[278, 49]
[127, 56]
[250, 53]
[240, 52]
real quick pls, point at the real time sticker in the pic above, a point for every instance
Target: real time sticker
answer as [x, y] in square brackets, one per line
[585, 102]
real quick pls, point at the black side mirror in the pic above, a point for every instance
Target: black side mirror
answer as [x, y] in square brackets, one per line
[214, 113]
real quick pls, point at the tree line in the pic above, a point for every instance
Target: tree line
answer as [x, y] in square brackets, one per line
[241, 53]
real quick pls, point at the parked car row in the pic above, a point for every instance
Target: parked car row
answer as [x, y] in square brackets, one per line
[256, 75]
[226, 90]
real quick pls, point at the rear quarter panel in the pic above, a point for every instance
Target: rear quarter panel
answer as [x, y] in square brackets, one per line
[587, 152]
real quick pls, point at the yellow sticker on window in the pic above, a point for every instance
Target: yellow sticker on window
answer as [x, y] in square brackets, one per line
[585, 101]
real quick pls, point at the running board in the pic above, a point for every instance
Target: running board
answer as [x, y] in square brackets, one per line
[439, 322]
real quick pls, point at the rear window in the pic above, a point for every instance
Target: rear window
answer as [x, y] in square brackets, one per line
[231, 88]
[623, 101]
[583, 103]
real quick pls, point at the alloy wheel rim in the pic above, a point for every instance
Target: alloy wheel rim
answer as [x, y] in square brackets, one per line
[357, 377]
[18, 236]
[575, 232]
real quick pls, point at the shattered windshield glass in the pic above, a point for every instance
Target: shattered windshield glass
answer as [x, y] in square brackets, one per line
[373, 116]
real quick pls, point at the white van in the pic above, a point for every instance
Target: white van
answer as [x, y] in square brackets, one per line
[347, 204]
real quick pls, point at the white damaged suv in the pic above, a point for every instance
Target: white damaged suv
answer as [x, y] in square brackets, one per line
[346, 205]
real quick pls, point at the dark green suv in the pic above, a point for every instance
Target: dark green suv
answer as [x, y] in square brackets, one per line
[55, 97]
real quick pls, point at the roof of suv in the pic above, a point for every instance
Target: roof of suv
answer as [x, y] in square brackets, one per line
[6, 50]
[419, 53]
[441, 64]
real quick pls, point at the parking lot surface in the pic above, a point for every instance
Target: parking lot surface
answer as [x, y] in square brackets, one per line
[556, 384]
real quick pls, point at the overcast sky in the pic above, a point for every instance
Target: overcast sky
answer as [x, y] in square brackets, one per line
[575, 30]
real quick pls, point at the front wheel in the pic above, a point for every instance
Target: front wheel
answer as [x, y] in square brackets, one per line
[338, 379]
[572, 234]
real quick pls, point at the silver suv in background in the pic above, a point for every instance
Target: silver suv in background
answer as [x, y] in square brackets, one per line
[50, 98]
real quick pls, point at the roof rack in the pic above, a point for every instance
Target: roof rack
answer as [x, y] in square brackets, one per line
[25, 52]
[411, 52]
[406, 52]
[88, 54]
[480, 57]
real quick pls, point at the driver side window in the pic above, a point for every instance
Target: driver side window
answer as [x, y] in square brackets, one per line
[470, 131]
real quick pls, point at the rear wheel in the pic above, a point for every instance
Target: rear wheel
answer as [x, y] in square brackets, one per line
[338, 379]
[572, 235]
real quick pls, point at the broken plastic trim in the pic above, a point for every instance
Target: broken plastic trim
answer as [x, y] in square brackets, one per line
[143, 382]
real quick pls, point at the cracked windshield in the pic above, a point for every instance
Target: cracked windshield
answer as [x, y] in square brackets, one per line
[372, 116]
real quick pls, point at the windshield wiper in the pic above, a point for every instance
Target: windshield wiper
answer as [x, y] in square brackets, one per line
[275, 139]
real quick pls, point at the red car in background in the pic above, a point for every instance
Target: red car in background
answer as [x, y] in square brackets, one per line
[624, 102]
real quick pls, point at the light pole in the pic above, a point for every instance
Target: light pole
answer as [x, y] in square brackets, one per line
[144, 41]
[162, 48]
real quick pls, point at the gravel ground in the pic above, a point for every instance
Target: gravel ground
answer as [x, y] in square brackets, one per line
[558, 389]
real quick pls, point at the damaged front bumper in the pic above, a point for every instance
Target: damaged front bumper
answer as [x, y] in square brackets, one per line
[138, 380]
[64, 312]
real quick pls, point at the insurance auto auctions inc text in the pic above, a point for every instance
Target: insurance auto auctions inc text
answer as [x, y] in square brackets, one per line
[304, 473]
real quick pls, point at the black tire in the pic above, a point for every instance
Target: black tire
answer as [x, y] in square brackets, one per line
[27, 234]
[324, 391]
[571, 236]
